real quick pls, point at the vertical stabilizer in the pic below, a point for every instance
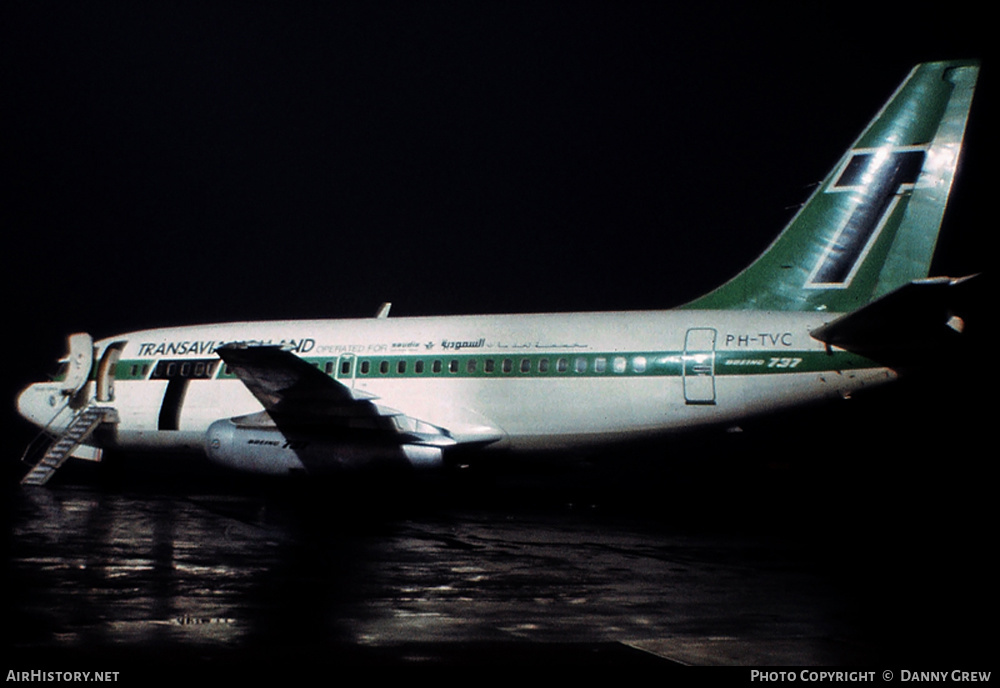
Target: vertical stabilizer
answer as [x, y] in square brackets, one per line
[872, 225]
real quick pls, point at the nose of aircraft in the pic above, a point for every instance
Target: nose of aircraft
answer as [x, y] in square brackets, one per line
[41, 402]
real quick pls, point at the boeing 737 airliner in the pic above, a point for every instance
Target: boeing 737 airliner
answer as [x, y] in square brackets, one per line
[841, 301]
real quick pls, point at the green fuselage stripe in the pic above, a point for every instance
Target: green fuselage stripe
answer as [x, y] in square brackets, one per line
[535, 365]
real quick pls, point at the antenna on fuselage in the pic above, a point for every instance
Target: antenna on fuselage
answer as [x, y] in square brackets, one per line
[383, 310]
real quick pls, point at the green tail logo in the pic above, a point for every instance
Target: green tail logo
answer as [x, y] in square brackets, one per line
[872, 224]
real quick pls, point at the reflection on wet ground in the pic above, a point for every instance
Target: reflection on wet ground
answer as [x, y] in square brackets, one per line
[458, 573]
[114, 568]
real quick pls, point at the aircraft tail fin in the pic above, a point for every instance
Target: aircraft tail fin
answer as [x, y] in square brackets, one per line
[871, 226]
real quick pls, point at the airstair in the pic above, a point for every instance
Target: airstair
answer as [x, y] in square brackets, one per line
[61, 448]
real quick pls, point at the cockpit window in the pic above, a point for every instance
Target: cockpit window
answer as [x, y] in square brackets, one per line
[59, 370]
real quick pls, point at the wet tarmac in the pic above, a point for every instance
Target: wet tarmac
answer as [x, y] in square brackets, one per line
[743, 563]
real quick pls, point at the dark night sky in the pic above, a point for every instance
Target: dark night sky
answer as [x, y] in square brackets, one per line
[174, 163]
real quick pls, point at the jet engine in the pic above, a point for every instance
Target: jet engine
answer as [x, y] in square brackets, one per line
[269, 450]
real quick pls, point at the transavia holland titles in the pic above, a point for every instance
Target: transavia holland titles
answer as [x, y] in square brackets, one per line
[904, 675]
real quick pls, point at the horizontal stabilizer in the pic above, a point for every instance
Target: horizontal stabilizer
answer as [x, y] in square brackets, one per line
[918, 316]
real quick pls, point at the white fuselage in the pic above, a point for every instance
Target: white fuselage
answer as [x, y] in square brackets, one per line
[519, 382]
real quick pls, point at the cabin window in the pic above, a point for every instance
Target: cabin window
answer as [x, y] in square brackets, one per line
[489, 365]
[453, 365]
[436, 367]
[525, 365]
[508, 365]
[562, 365]
[580, 364]
[639, 364]
[383, 367]
[365, 367]
[328, 368]
[401, 366]
[543, 365]
[187, 370]
[345, 367]
[600, 364]
[470, 366]
[619, 364]
[418, 367]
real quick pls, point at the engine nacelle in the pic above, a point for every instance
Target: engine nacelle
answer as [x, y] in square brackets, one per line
[269, 450]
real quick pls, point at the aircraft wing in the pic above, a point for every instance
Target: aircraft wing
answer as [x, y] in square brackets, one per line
[289, 387]
[296, 394]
